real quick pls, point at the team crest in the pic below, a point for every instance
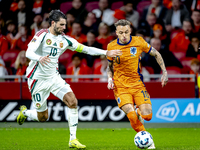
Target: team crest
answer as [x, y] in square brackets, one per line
[48, 41]
[33, 40]
[133, 51]
[38, 105]
[61, 44]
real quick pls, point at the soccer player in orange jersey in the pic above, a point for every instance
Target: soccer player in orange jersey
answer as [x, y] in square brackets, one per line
[124, 75]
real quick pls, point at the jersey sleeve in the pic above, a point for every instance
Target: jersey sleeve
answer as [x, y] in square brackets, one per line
[34, 44]
[145, 46]
[74, 45]
[109, 48]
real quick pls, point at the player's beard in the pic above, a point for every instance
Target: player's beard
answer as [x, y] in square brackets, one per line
[57, 32]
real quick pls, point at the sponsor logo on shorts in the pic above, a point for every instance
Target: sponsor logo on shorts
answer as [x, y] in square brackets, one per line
[38, 105]
[48, 41]
[118, 100]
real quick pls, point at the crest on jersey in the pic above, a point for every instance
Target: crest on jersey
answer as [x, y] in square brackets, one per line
[133, 51]
[33, 40]
[48, 41]
[61, 44]
[38, 105]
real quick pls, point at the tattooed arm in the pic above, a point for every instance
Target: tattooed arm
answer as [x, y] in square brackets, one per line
[158, 57]
[110, 76]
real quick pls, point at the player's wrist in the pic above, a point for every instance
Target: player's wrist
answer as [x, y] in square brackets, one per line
[110, 79]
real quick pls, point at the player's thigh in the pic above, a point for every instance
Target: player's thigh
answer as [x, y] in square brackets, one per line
[63, 91]
[59, 87]
[141, 96]
[123, 97]
[39, 93]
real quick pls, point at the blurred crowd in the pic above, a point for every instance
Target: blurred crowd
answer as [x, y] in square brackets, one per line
[170, 26]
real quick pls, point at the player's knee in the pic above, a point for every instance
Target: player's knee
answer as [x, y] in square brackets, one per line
[43, 118]
[73, 104]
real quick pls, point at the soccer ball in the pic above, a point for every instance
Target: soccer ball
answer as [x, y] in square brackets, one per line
[143, 139]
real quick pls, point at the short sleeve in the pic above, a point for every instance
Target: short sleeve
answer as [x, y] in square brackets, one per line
[146, 47]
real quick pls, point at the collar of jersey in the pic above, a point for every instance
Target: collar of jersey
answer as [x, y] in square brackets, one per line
[126, 43]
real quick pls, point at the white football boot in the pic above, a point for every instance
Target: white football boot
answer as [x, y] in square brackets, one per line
[139, 117]
[152, 146]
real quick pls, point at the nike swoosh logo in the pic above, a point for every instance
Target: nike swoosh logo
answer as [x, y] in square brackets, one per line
[146, 99]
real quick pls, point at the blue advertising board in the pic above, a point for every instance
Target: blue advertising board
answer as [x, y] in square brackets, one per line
[175, 110]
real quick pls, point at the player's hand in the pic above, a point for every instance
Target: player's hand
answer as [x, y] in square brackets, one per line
[164, 79]
[114, 53]
[44, 60]
[110, 84]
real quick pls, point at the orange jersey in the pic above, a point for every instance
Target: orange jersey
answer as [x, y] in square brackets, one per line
[126, 66]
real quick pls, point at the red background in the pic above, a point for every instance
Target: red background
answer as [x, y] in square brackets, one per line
[92, 90]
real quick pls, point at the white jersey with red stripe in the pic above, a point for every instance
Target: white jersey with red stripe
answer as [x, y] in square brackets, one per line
[44, 43]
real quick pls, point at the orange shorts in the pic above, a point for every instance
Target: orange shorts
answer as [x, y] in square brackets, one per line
[126, 95]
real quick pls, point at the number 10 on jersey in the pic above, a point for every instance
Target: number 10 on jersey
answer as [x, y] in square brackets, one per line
[53, 52]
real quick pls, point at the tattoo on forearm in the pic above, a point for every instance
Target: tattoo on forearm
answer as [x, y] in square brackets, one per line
[110, 69]
[159, 59]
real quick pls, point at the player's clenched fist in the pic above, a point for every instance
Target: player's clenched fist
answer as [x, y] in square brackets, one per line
[114, 53]
[44, 60]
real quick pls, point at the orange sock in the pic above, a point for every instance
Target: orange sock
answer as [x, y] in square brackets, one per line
[145, 117]
[135, 123]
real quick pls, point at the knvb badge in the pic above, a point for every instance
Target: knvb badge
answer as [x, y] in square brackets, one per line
[168, 111]
[133, 51]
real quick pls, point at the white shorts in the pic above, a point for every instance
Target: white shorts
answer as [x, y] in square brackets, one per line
[40, 90]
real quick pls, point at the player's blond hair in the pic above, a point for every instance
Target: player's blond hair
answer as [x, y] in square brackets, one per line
[122, 22]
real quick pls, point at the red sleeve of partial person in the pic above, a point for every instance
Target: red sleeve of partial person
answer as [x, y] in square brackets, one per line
[97, 71]
[3, 45]
[173, 46]
[69, 72]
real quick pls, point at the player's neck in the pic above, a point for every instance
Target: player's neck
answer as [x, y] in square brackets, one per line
[52, 31]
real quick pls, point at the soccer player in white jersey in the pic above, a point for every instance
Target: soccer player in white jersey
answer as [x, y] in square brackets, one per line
[43, 77]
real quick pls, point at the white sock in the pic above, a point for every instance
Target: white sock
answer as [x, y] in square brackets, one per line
[31, 114]
[73, 122]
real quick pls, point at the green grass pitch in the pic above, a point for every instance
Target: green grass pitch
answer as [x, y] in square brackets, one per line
[18, 138]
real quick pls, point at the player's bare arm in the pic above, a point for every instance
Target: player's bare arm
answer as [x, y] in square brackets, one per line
[156, 54]
[114, 53]
[110, 76]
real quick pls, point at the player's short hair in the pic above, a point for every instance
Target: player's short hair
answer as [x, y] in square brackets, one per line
[55, 15]
[122, 22]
